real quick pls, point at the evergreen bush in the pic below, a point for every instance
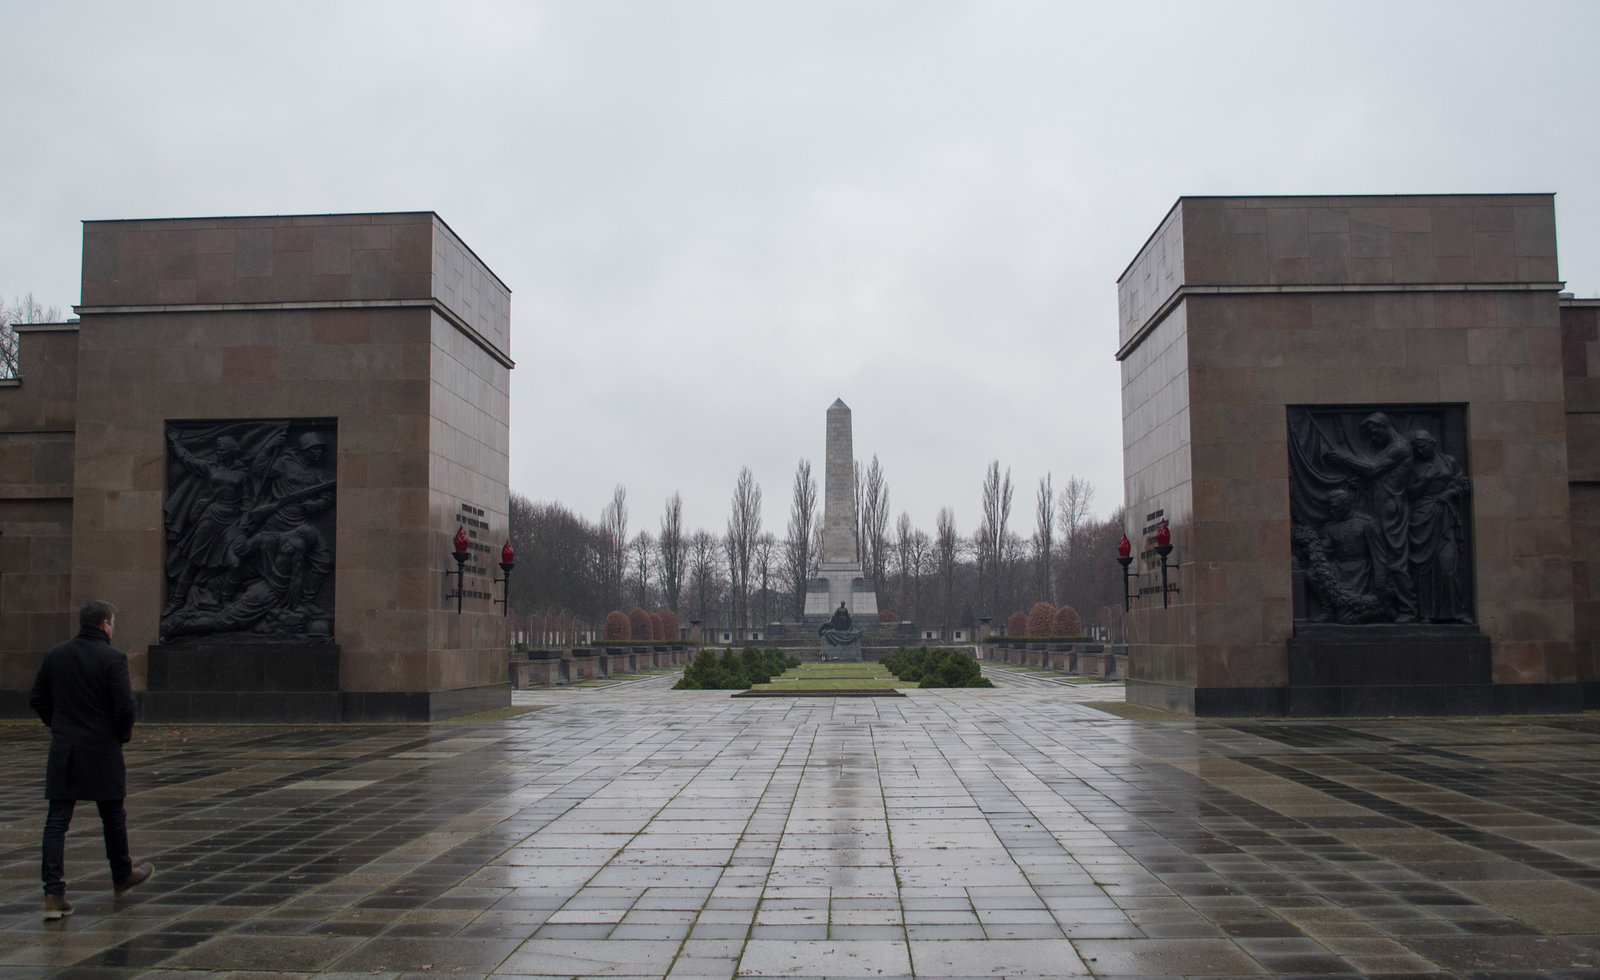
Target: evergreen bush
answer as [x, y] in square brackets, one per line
[733, 671]
[936, 667]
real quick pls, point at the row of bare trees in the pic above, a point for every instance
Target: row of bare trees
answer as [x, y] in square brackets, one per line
[576, 571]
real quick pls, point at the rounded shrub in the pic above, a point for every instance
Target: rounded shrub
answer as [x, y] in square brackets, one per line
[887, 616]
[1067, 622]
[617, 627]
[639, 624]
[1041, 619]
[669, 624]
[1017, 625]
[656, 632]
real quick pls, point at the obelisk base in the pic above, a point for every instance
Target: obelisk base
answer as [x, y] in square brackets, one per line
[838, 583]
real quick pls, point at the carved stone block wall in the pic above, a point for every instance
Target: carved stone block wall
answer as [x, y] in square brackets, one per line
[1239, 308]
[384, 325]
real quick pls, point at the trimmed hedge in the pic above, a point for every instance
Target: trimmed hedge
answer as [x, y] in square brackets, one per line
[617, 627]
[639, 625]
[669, 624]
[1041, 618]
[938, 667]
[1017, 625]
[1067, 622]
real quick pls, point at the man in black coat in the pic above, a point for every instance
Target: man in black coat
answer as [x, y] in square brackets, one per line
[82, 694]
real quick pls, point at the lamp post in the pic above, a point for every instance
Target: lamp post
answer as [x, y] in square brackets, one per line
[460, 555]
[508, 561]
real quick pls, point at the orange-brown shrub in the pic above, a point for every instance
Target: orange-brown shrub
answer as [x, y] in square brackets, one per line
[617, 626]
[655, 626]
[1017, 625]
[887, 616]
[669, 624]
[1068, 622]
[639, 624]
[1041, 619]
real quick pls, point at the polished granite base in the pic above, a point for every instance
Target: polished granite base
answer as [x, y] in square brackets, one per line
[1367, 671]
[256, 682]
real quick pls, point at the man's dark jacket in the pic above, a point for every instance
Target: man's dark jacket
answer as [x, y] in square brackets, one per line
[82, 693]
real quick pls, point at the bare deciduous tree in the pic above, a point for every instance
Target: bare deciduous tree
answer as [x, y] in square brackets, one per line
[1075, 523]
[921, 554]
[903, 532]
[873, 544]
[669, 553]
[702, 570]
[614, 525]
[798, 556]
[991, 536]
[947, 551]
[1043, 535]
[766, 553]
[744, 527]
[643, 548]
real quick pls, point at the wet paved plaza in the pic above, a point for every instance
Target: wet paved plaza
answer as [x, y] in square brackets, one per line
[632, 831]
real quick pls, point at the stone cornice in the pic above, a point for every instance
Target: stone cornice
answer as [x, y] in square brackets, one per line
[321, 304]
[1184, 292]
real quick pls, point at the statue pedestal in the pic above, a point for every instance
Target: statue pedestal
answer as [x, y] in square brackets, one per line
[256, 682]
[847, 651]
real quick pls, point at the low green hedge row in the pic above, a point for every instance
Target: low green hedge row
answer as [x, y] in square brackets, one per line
[733, 671]
[936, 667]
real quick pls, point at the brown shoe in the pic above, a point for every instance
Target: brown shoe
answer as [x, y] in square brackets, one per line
[56, 906]
[136, 877]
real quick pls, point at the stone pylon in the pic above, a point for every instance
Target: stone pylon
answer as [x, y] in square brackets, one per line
[841, 579]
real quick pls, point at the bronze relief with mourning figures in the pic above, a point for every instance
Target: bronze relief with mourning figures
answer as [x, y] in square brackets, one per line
[1380, 511]
[249, 523]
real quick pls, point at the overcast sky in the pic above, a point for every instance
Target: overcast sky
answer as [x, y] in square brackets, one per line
[718, 217]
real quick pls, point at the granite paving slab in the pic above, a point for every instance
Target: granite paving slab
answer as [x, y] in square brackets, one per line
[639, 832]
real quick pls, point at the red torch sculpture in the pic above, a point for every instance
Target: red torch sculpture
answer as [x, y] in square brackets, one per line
[508, 561]
[1164, 549]
[460, 555]
[1125, 558]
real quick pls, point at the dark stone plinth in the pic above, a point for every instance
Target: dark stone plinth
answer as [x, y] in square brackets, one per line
[847, 651]
[1377, 670]
[285, 682]
[1367, 656]
[212, 682]
[1407, 670]
[1391, 670]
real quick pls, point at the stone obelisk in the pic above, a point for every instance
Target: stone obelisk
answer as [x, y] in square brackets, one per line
[841, 579]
